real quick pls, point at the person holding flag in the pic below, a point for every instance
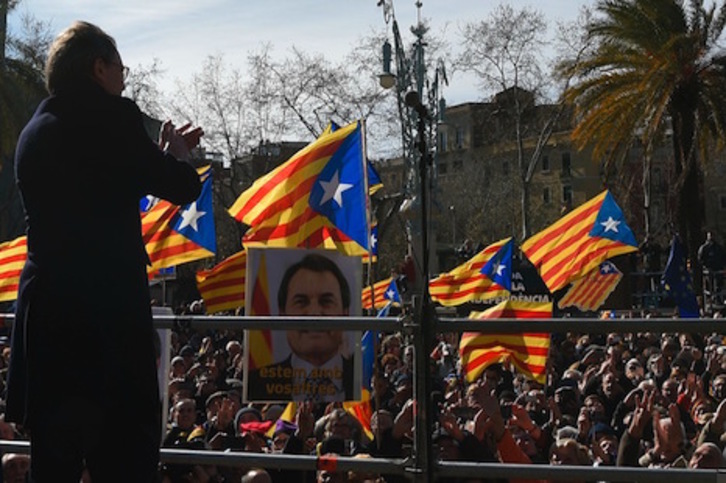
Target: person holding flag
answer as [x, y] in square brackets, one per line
[83, 341]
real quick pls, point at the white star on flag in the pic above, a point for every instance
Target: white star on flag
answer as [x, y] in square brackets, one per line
[190, 217]
[334, 189]
[499, 268]
[374, 240]
[390, 294]
[610, 224]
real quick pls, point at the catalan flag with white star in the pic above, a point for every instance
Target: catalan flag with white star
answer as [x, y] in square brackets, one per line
[316, 199]
[385, 292]
[579, 241]
[179, 234]
[467, 282]
[591, 291]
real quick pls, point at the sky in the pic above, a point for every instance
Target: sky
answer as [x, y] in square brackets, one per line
[183, 33]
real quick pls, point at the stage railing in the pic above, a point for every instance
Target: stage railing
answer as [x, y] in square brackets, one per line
[413, 467]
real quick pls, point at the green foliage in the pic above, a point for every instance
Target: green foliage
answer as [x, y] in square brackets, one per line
[656, 71]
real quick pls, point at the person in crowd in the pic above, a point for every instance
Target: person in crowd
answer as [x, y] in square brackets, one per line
[15, 467]
[86, 142]
[711, 254]
[522, 421]
[183, 420]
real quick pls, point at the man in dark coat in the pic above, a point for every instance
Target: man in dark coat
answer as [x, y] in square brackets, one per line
[83, 355]
[315, 368]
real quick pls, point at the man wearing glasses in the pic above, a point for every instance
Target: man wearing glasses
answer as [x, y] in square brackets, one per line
[82, 164]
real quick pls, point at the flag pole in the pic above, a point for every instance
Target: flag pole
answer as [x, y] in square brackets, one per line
[366, 188]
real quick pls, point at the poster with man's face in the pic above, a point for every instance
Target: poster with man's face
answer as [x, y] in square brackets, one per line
[309, 364]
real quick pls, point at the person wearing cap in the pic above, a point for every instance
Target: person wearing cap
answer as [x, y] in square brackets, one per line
[315, 369]
[188, 355]
[87, 146]
[178, 368]
[247, 414]
[603, 441]
[221, 411]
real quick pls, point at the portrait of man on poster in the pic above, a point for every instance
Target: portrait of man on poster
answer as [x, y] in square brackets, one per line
[317, 365]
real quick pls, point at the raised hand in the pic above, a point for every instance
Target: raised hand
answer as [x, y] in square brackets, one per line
[305, 420]
[403, 423]
[642, 414]
[451, 425]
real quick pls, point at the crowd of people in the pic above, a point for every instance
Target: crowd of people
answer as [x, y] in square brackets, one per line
[640, 400]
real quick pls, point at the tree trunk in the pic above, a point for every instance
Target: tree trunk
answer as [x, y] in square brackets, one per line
[690, 204]
[4, 6]
[525, 209]
[647, 184]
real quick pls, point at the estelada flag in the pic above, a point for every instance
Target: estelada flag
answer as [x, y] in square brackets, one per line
[527, 352]
[179, 234]
[467, 283]
[580, 241]
[316, 199]
[590, 292]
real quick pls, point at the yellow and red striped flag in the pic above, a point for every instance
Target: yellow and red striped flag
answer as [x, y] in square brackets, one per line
[223, 286]
[466, 283]
[283, 210]
[379, 291]
[579, 241]
[260, 341]
[12, 259]
[362, 411]
[527, 352]
[591, 291]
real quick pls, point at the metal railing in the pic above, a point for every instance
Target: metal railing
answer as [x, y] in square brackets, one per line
[413, 467]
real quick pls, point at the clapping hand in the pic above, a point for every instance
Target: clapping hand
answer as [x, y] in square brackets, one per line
[179, 141]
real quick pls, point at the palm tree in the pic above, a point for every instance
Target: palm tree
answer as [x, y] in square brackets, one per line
[656, 66]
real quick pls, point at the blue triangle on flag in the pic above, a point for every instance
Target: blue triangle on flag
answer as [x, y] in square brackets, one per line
[392, 293]
[610, 223]
[499, 267]
[339, 192]
[196, 220]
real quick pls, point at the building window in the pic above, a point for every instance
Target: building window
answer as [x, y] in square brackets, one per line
[458, 165]
[505, 168]
[545, 163]
[567, 195]
[546, 196]
[443, 138]
[566, 164]
[722, 202]
[459, 137]
[442, 168]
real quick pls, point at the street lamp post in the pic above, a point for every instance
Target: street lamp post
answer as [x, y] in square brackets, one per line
[453, 224]
[418, 107]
